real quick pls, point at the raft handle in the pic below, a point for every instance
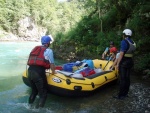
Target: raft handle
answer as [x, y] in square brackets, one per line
[78, 88]
[106, 78]
[68, 81]
[92, 85]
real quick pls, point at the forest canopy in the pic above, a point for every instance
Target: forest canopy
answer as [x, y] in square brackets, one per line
[83, 28]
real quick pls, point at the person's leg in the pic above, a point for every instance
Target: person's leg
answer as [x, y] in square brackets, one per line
[130, 64]
[122, 74]
[127, 84]
[42, 92]
[33, 87]
[33, 93]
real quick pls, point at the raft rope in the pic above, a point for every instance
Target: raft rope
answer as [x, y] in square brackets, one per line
[83, 83]
[26, 71]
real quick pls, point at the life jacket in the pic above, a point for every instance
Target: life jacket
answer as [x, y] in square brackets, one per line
[131, 48]
[110, 53]
[113, 50]
[36, 57]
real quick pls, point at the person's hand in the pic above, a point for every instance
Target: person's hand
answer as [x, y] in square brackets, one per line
[102, 58]
[53, 73]
[117, 66]
[111, 67]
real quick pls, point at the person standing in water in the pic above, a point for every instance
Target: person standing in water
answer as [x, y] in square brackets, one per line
[40, 59]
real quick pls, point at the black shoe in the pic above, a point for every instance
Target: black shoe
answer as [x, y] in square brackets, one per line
[119, 97]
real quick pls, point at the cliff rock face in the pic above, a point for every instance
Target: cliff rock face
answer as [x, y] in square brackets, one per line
[27, 31]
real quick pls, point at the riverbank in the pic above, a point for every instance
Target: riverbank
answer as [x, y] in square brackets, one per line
[18, 39]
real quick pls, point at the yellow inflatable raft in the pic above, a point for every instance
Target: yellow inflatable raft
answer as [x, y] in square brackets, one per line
[67, 84]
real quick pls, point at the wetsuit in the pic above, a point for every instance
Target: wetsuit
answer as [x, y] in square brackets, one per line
[128, 47]
[38, 83]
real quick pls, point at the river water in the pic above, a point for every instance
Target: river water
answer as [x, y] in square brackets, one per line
[14, 93]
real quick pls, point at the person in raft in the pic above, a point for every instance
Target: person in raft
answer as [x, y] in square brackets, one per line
[125, 63]
[40, 59]
[110, 52]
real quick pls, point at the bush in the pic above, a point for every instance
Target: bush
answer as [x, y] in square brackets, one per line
[142, 62]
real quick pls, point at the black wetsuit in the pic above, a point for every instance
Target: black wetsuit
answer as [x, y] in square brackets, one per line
[124, 72]
[38, 81]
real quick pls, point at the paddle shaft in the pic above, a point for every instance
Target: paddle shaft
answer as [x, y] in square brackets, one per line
[107, 62]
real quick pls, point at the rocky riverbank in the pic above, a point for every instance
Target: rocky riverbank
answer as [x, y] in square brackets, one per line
[27, 31]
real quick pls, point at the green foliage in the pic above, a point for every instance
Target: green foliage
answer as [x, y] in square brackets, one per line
[142, 62]
[56, 17]
[115, 16]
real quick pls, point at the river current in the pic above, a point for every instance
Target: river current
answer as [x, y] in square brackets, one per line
[14, 93]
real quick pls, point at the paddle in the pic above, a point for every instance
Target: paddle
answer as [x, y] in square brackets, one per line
[65, 73]
[69, 74]
[108, 62]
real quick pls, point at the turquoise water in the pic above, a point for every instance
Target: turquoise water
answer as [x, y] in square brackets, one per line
[14, 93]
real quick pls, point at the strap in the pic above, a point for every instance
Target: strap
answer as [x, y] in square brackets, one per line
[127, 44]
[128, 55]
[127, 47]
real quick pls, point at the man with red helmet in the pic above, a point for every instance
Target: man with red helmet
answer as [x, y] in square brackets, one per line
[110, 53]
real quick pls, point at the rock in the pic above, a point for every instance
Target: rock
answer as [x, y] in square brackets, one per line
[146, 74]
[27, 31]
[7, 36]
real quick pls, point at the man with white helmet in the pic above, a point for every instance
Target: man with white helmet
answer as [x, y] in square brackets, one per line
[40, 59]
[125, 63]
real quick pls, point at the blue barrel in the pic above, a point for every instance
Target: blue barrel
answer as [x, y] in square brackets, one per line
[68, 67]
[90, 63]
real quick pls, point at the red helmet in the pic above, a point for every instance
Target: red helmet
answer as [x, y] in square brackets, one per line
[113, 50]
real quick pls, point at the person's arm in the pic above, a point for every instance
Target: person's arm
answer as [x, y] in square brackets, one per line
[105, 52]
[52, 68]
[49, 56]
[103, 55]
[122, 51]
[113, 56]
[120, 58]
[114, 64]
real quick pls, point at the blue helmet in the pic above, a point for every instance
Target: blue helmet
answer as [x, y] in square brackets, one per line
[45, 39]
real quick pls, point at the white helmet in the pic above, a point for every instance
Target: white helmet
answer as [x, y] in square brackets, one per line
[52, 39]
[127, 32]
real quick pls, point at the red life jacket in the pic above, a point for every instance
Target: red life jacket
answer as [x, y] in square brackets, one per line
[36, 57]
